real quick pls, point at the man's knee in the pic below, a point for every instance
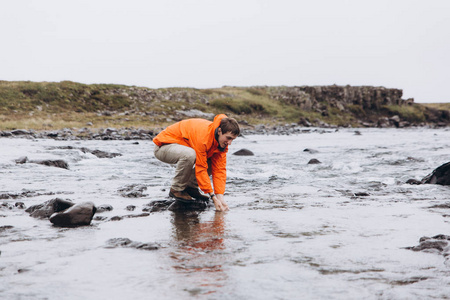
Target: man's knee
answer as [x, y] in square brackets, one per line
[189, 155]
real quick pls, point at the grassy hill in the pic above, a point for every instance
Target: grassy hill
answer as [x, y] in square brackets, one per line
[66, 104]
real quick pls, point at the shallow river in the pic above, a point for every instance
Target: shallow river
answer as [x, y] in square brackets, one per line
[293, 231]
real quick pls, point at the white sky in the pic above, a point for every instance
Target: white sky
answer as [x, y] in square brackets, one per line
[401, 44]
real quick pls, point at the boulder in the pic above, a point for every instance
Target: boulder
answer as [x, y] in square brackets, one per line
[314, 161]
[244, 152]
[77, 215]
[441, 175]
[46, 209]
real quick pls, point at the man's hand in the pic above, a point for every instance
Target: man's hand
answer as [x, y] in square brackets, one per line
[219, 202]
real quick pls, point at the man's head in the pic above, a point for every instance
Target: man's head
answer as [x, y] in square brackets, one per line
[228, 131]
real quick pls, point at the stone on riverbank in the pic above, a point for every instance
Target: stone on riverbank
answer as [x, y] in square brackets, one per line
[46, 209]
[243, 152]
[77, 215]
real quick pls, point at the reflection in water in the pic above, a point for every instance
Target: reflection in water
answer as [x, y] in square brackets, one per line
[200, 251]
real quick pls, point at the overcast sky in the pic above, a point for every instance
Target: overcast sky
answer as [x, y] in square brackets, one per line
[401, 44]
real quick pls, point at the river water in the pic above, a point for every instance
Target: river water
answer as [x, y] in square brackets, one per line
[335, 230]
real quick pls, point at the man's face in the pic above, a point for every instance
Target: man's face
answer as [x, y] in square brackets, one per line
[225, 139]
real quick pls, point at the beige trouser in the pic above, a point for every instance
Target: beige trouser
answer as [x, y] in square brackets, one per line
[184, 158]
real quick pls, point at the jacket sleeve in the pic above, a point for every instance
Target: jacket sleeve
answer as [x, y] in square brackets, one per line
[219, 172]
[201, 172]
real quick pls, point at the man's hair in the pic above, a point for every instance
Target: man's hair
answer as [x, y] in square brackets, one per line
[229, 125]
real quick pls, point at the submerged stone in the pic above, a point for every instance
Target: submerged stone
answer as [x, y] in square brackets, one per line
[126, 242]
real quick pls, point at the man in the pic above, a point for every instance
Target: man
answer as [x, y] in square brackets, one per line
[203, 144]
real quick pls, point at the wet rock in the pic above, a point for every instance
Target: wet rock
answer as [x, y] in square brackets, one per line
[130, 207]
[133, 191]
[46, 209]
[413, 181]
[23, 194]
[440, 175]
[5, 228]
[309, 150]
[21, 160]
[158, 205]
[6, 205]
[99, 218]
[436, 244]
[20, 132]
[395, 120]
[183, 206]
[362, 194]
[444, 206]
[100, 154]
[243, 152]
[173, 205]
[59, 163]
[119, 218]
[314, 161]
[19, 205]
[104, 207]
[125, 242]
[77, 215]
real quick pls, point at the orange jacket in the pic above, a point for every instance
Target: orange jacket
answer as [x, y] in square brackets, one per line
[199, 135]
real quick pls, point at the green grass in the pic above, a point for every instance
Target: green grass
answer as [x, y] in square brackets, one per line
[54, 105]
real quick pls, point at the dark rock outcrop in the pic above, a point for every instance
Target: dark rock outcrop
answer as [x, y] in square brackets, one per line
[310, 97]
[46, 209]
[77, 215]
[59, 163]
[243, 152]
[441, 175]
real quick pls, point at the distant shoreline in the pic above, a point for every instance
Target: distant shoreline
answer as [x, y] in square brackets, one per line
[53, 106]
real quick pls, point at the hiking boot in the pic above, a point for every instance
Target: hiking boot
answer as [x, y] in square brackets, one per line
[195, 193]
[182, 196]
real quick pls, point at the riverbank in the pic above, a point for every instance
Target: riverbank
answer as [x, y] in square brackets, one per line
[46, 107]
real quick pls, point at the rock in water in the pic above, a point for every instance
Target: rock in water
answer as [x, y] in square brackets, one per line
[440, 175]
[77, 215]
[314, 161]
[243, 152]
[59, 163]
[46, 209]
